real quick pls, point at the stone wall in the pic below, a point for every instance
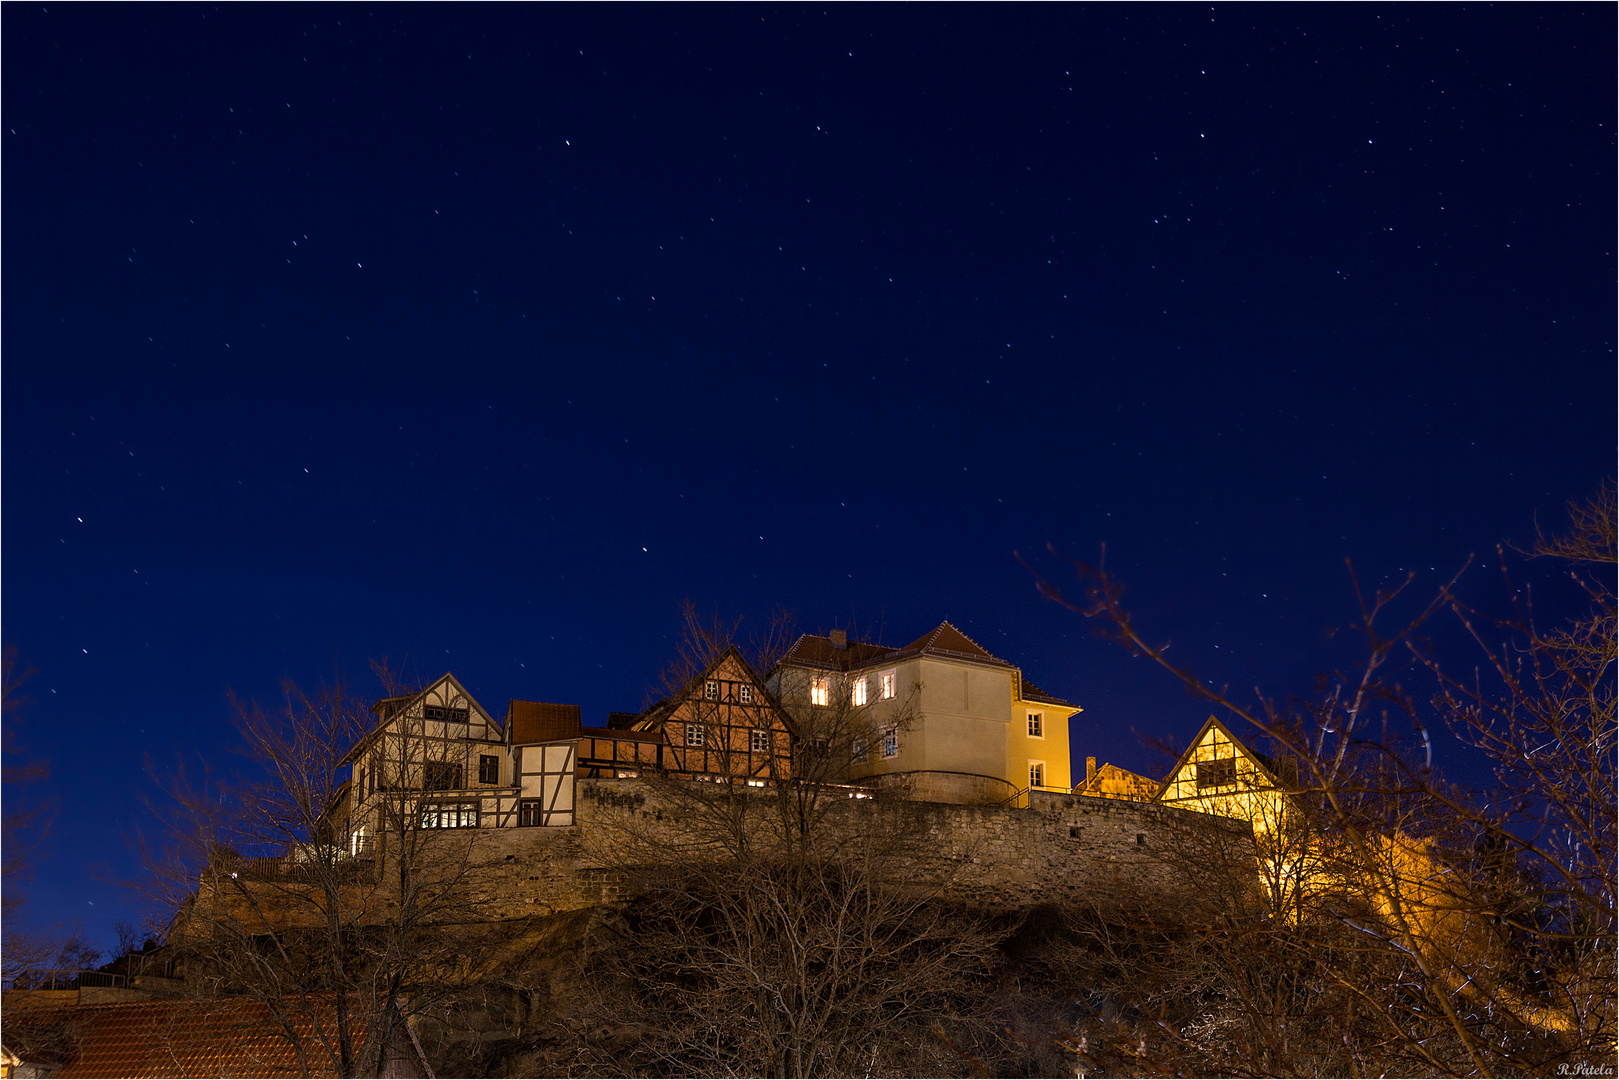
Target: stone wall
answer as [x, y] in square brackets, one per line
[1061, 849]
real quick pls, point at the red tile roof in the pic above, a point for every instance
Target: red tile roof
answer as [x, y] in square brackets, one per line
[944, 640]
[181, 1038]
[542, 721]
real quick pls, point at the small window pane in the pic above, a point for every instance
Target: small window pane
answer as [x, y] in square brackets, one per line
[759, 741]
[711, 690]
[820, 690]
[744, 694]
[1036, 726]
[886, 682]
[694, 734]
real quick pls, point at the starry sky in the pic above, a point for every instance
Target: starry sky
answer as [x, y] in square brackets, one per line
[480, 337]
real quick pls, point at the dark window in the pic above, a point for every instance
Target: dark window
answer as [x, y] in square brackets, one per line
[1222, 773]
[359, 783]
[445, 713]
[450, 815]
[441, 776]
[488, 769]
[528, 812]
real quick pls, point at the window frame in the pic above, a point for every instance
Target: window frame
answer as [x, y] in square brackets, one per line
[447, 714]
[489, 768]
[859, 692]
[694, 736]
[890, 743]
[452, 814]
[1037, 774]
[858, 752]
[744, 693]
[887, 684]
[821, 690]
[711, 690]
[1036, 723]
[759, 740]
[1218, 768]
[456, 772]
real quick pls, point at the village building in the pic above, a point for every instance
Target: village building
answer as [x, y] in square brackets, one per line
[953, 723]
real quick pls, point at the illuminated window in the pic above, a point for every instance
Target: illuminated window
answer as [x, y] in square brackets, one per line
[488, 769]
[1037, 774]
[885, 686]
[857, 692]
[711, 690]
[820, 690]
[890, 743]
[359, 843]
[1222, 773]
[759, 741]
[859, 751]
[744, 694]
[450, 815]
[1037, 728]
[694, 734]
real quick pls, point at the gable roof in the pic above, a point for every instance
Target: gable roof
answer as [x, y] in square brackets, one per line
[181, 1037]
[541, 721]
[944, 641]
[389, 707]
[1264, 764]
[816, 651]
[654, 716]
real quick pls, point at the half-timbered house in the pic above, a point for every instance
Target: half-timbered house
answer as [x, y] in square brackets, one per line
[436, 759]
[722, 725]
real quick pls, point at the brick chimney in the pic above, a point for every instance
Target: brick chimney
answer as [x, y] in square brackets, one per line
[1090, 769]
[840, 640]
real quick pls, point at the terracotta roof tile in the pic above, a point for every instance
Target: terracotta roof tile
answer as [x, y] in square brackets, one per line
[542, 721]
[182, 1038]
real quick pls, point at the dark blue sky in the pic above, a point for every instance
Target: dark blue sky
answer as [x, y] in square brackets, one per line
[482, 336]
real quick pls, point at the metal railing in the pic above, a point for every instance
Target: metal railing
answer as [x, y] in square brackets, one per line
[64, 980]
[1019, 800]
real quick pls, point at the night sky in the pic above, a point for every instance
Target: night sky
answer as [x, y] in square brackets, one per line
[480, 337]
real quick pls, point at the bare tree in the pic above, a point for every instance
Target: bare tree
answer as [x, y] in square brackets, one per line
[1450, 932]
[342, 931]
[788, 924]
